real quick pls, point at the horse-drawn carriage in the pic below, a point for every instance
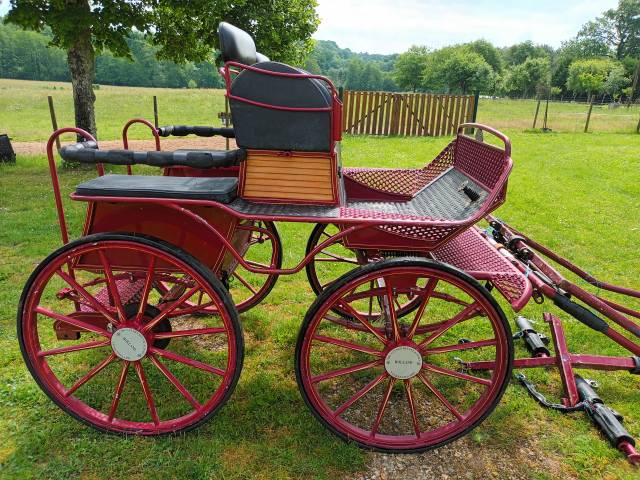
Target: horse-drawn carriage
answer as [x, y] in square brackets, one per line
[133, 327]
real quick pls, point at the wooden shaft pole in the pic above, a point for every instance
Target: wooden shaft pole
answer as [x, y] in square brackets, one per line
[155, 111]
[54, 121]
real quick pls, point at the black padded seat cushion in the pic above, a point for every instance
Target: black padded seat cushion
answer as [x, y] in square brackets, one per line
[217, 189]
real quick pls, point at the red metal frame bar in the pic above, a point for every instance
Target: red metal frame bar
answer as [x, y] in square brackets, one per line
[125, 135]
[54, 175]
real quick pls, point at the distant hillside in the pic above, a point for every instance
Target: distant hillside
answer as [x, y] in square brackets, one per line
[355, 71]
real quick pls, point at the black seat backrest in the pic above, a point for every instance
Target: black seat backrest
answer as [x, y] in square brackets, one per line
[236, 45]
[263, 128]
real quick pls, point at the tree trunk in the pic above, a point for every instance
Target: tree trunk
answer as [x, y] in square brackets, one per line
[80, 58]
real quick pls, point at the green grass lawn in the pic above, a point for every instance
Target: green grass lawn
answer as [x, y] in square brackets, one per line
[24, 111]
[576, 193]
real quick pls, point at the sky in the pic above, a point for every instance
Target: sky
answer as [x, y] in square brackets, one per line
[383, 26]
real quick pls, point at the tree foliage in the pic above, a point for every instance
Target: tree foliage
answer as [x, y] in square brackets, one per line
[457, 68]
[588, 76]
[531, 76]
[410, 66]
[618, 29]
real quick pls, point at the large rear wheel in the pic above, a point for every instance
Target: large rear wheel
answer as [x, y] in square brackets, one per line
[117, 352]
[398, 386]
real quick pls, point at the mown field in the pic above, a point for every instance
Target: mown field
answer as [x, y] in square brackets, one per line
[576, 193]
[24, 111]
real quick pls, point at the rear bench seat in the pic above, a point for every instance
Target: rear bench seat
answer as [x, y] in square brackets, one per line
[217, 189]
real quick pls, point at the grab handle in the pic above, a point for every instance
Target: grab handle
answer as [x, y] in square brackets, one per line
[505, 140]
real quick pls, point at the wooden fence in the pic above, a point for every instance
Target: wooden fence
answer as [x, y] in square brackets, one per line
[407, 114]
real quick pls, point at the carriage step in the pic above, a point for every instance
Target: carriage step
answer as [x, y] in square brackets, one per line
[473, 253]
[129, 293]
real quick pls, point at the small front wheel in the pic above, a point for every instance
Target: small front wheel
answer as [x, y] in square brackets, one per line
[399, 384]
[106, 342]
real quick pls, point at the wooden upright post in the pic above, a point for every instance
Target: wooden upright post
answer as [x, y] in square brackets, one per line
[54, 121]
[155, 111]
[535, 117]
[586, 125]
[638, 127]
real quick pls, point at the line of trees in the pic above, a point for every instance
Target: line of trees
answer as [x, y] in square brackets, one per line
[27, 55]
[604, 59]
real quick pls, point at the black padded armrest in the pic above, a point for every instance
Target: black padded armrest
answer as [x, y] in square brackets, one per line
[182, 130]
[87, 153]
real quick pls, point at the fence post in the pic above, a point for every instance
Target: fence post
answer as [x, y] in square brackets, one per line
[638, 127]
[586, 125]
[395, 114]
[535, 117]
[54, 121]
[155, 111]
[476, 100]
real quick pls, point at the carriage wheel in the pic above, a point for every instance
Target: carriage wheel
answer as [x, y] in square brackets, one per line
[135, 367]
[334, 261]
[399, 387]
[249, 289]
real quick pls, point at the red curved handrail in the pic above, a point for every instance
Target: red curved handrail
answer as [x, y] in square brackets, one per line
[492, 131]
[54, 174]
[125, 135]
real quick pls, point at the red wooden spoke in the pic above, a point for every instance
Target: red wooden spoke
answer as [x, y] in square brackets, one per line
[88, 297]
[74, 348]
[414, 417]
[187, 361]
[170, 309]
[92, 373]
[351, 311]
[176, 383]
[345, 371]
[147, 393]
[426, 296]
[392, 311]
[348, 345]
[460, 346]
[148, 283]
[118, 393]
[112, 285]
[360, 393]
[245, 283]
[463, 315]
[383, 406]
[190, 333]
[440, 396]
[453, 373]
[73, 321]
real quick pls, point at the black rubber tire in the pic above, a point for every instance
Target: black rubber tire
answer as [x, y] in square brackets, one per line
[206, 273]
[391, 263]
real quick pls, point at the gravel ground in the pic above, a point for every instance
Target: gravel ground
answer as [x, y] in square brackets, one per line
[463, 459]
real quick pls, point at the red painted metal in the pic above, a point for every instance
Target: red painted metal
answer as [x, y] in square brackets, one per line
[80, 406]
[54, 175]
[421, 435]
[125, 135]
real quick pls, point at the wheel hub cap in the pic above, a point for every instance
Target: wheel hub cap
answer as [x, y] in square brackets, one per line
[129, 344]
[403, 362]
